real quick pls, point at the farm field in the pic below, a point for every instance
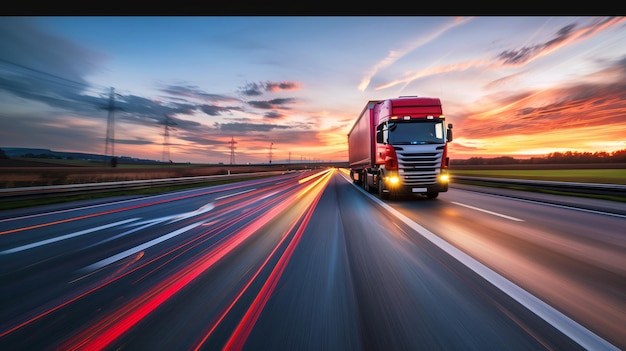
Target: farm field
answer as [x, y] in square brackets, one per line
[584, 175]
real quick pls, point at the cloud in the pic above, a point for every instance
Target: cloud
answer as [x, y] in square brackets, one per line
[47, 62]
[524, 54]
[194, 92]
[273, 115]
[244, 128]
[257, 89]
[457, 67]
[213, 110]
[500, 82]
[551, 117]
[395, 55]
[272, 104]
[567, 35]
[134, 142]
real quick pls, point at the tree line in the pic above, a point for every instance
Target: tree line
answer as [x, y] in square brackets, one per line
[552, 158]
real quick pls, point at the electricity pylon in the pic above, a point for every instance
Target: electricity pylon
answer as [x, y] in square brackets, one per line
[166, 138]
[232, 143]
[109, 143]
[271, 144]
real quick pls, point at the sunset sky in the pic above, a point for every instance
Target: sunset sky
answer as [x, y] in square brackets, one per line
[293, 86]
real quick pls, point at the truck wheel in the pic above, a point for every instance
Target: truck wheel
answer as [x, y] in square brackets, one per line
[381, 187]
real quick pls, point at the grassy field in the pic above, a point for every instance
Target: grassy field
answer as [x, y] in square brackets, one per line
[603, 176]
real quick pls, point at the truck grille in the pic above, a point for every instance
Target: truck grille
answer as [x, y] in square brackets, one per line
[419, 168]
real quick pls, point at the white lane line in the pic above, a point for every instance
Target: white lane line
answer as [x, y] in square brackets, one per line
[139, 248]
[486, 211]
[235, 194]
[566, 325]
[204, 209]
[64, 237]
[568, 207]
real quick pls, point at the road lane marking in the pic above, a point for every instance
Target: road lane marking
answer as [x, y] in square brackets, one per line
[64, 237]
[138, 248]
[486, 211]
[235, 194]
[583, 336]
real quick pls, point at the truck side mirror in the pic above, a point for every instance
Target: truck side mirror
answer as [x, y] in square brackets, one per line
[449, 133]
[379, 137]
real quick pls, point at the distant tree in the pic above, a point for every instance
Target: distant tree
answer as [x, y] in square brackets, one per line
[619, 156]
[504, 160]
[3, 156]
[476, 161]
[555, 157]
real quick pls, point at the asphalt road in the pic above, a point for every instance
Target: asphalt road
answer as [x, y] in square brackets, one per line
[309, 261]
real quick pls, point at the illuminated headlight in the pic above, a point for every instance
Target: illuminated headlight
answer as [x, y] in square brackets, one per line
[392, 180]
[444, 178]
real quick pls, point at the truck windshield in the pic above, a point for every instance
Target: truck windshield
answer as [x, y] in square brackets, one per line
[416, 132]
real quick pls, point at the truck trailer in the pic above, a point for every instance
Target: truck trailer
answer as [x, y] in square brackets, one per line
[399, 146]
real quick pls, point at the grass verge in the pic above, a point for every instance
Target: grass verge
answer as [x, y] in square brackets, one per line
[603, 176]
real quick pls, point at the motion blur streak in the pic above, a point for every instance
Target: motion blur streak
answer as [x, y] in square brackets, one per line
[56, 222]
[98, 214]
[234, 202]
[64, 237]
[101, 334]
[238, 339]
[142, 247]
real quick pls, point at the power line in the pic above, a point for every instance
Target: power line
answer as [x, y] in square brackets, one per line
[49, 77]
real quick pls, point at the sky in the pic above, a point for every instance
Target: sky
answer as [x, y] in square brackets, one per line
[255, 89]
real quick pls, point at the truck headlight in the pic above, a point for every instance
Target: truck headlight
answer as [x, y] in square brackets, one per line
[444, 178]
[392, 180]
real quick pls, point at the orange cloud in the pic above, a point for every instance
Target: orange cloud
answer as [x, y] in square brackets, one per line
[567, 35]
[585, 118]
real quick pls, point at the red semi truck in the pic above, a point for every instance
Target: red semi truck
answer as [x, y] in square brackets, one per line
[400, 146]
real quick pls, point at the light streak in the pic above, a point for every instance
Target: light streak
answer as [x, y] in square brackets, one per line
[103, 333]
[65, 237]
[241, 333]
[142, 247]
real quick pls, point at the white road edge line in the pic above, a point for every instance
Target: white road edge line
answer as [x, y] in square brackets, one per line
[486, 211]
[566, 325]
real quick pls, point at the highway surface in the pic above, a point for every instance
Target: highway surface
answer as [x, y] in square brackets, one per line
[310, 261]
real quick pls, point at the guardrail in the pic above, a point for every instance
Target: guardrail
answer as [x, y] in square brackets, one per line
[38, 192]
[569, 187]
[24, 193]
